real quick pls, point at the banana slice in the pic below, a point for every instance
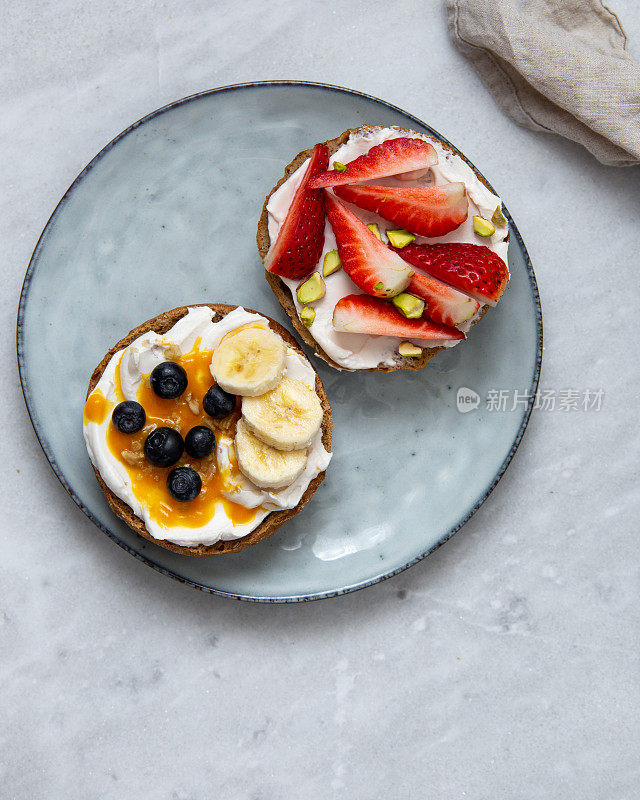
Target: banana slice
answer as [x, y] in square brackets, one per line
[248, 361]
[265, 466]
[287, 417]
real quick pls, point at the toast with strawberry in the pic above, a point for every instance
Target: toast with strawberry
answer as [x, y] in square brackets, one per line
[384, 247]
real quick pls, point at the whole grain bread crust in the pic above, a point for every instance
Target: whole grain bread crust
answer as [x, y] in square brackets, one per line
[281, 290]
[271, 523]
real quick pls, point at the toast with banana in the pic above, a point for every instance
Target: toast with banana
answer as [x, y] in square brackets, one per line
[207, 429]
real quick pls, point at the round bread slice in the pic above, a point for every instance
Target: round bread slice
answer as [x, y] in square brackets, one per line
[281, 290]
[271, 523]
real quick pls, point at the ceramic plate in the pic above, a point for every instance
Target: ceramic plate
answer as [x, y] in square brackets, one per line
[165, 216]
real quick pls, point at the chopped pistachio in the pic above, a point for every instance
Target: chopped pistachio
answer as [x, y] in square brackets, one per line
[379, 286]
[483, 227]
[400, 238]
[312, 289]
[307, 315]
[498, 217]
[409, 349]
[331, 263]
[375, 230]
[408, 304]
[339, 167]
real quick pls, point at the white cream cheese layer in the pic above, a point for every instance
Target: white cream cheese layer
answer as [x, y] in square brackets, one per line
[362, 351]
[136, 362]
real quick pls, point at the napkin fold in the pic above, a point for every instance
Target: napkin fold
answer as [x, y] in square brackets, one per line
[557, 66]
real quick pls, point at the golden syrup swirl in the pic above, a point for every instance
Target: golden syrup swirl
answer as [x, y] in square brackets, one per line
[148, 482]
[97, 407]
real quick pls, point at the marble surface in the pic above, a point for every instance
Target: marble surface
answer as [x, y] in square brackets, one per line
[503, 666]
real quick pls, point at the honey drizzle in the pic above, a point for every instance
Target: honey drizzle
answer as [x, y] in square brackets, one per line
[148, 482]
[97, 407]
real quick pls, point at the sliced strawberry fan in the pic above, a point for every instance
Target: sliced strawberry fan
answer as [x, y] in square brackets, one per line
[359, 313]
[370, 264]
[300, 240]
[470, 268]
[423, 210]
[405, 157]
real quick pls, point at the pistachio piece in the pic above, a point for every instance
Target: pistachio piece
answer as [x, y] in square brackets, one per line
[483, 227]
[409, 349]
[498, 217]
[375, 230]
[400, 238]
[379, 286]
[409, 305]
[339, 167]
[312, 289]
[331, 263]
[307, 315]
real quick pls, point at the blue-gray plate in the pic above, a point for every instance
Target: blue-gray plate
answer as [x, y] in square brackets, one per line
[165, 215]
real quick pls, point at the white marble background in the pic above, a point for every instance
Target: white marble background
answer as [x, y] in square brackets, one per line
[503, 666]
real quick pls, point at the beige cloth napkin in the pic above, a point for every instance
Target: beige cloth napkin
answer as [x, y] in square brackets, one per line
[556, 65]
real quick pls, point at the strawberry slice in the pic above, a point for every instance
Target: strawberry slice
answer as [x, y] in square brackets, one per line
[424, 210]
[357, 313]
[300, 240]
[370, 264]
[470, 268]
[393, 157]
[444, 304]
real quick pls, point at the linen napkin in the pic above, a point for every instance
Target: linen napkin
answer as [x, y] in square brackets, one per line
[557, 66]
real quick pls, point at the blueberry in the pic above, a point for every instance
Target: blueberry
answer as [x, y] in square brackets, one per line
[184, 484]
[200, 441]
[129, 416]
[163, 447]
[168, 380]
[217, 403]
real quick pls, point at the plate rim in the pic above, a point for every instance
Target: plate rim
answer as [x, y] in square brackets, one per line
[41, 438]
